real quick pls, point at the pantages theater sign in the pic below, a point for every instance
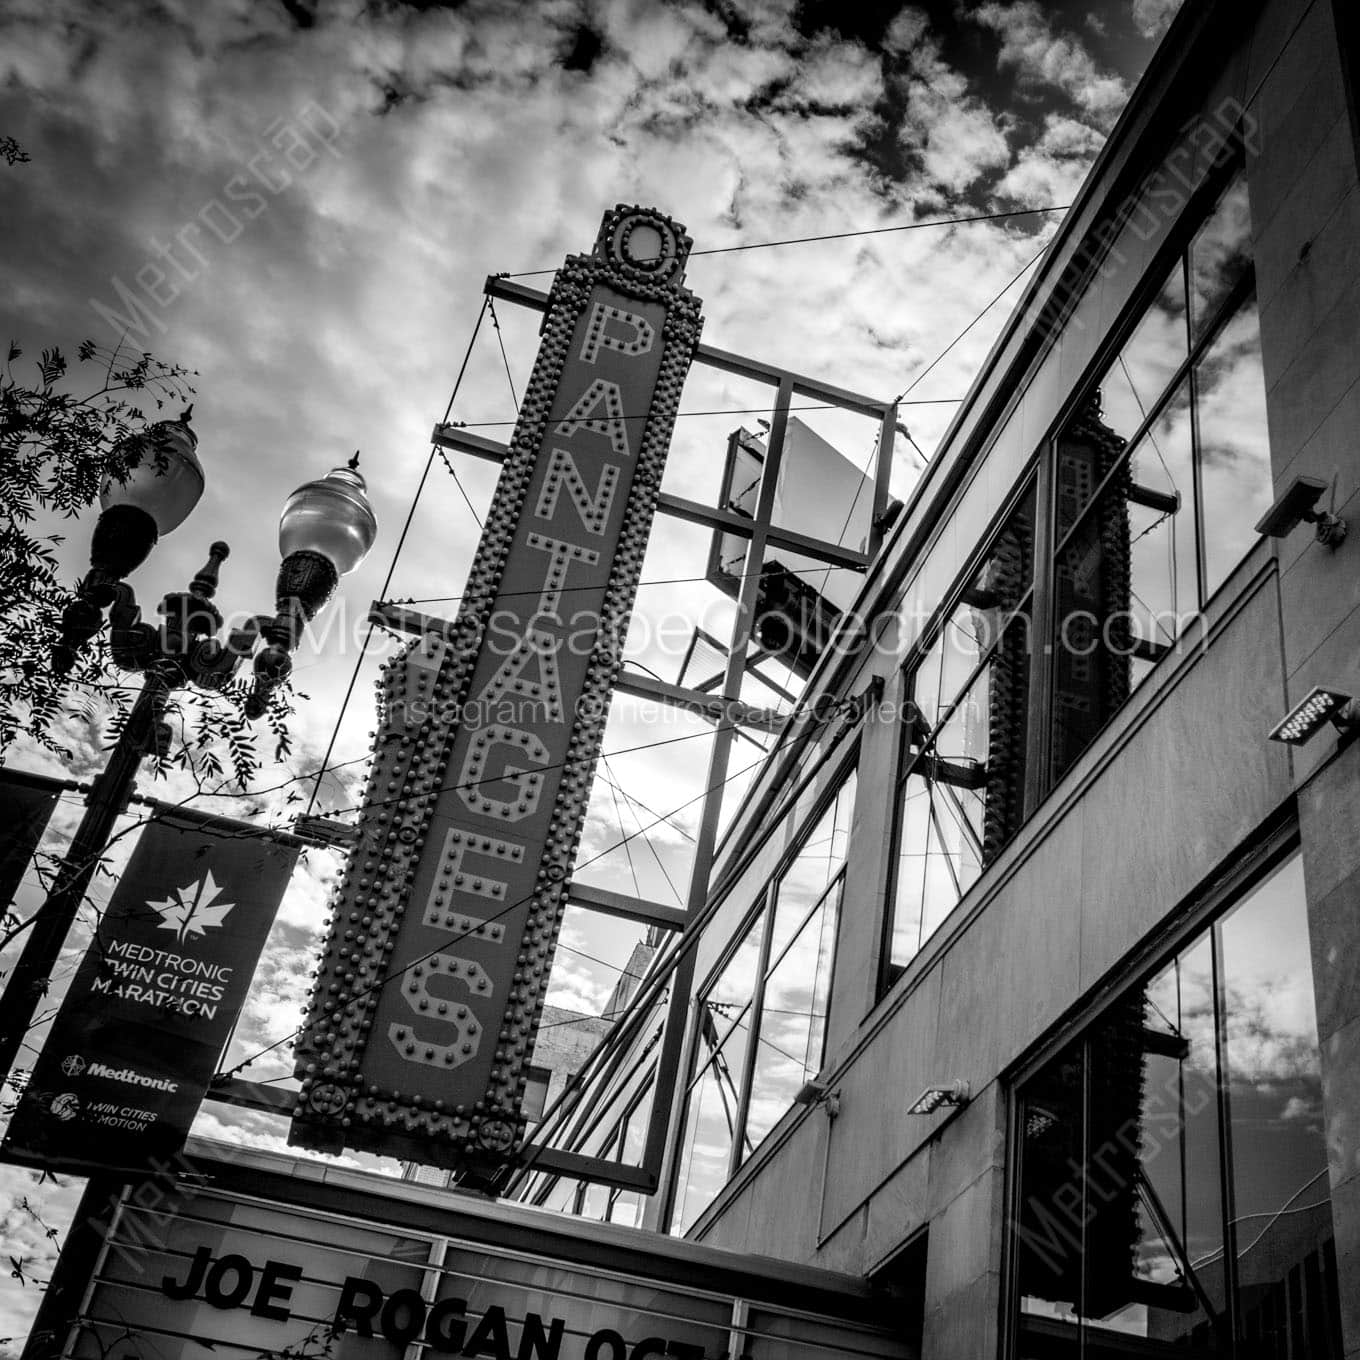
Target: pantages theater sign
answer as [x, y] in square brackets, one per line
[421, 1024]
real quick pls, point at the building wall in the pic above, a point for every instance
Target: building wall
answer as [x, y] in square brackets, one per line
[1180, 782]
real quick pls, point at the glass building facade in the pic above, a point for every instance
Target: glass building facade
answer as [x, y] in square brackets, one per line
[1027, 987]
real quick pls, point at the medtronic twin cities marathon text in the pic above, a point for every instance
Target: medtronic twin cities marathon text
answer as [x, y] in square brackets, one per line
[163, 980]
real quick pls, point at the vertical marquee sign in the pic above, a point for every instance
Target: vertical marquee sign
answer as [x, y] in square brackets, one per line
[422, 1020]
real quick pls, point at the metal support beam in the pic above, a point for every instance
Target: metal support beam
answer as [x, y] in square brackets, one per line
[253, 1095]
[737, 364]
[711, 706]
[400, 619]
[464, 441]
[679, 507]
[597, 1169]
[883, 461]
[630, 908]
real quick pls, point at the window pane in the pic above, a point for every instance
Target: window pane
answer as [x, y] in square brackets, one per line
[961, 749]
[724, 1029]
[1123, 1238]
[1220, 255]
[1154, 1234]
[1092, 674]
[1125, 580]
[1181, 1127]
[635, 1130]
[561, 1196]
[817, 862]
[1131, 386]
[925, 683]
[909, 891]
[733, 988]
[1282, 1214]
[953, 852]
[706, 1147]
[626, 1207]
[1007, 572]
[964, 799]
[1005, 683]
[967, 636]
[1234, 448]
[1164, 586]
[1124, 397]
[596, 1203]
[793, 1020]
[1048, 1227]
[995, 590]
[1087, 449]
[939, 854]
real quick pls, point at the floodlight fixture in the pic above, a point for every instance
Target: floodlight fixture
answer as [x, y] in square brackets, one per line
[958, 1092]
[816, 1092]
[1296, 506]
[1318, 707]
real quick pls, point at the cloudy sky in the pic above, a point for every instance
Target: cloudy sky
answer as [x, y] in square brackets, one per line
[301, 200]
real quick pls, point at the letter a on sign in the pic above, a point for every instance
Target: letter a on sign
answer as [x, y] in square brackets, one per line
[421, 1025]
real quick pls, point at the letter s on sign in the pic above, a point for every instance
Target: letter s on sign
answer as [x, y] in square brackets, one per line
[468, 1033]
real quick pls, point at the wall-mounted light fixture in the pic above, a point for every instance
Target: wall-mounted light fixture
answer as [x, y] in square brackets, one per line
[1295, 507]
[1317, 708]
[933, 1097]
[819, 1093]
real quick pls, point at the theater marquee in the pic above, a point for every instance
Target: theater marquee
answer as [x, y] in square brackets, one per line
[232, 1252]
[422, 1021]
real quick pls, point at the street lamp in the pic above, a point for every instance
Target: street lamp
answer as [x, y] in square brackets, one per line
[325, 532]
[162, 484]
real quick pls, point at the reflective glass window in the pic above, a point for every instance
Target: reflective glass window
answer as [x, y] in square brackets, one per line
[1281, 1223]
[961, 794]
[1172, 1160]
[762, 1021]
[1219, 257]
[1161, 477]
[1234, 449]
[793, 1018]
[819, 860]
[706, 1147]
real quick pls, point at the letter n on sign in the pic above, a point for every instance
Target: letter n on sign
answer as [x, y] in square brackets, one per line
[421, 1025]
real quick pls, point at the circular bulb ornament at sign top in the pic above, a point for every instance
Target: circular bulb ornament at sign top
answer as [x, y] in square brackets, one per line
[165, 478]
[330, 516]
[644, 244]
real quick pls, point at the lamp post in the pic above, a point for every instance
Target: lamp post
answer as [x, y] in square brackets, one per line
[325, 531]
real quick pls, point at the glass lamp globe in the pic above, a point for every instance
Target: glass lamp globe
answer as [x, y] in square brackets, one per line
[165, 480]
[330, 516]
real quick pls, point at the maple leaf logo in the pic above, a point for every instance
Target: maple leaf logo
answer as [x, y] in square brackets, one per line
[194, 910]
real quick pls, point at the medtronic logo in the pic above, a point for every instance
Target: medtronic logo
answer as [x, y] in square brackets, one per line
[131, 1077]
[73, 1066]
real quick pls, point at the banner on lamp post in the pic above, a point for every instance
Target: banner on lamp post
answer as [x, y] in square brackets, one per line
[138, 1036]
[24, 812]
